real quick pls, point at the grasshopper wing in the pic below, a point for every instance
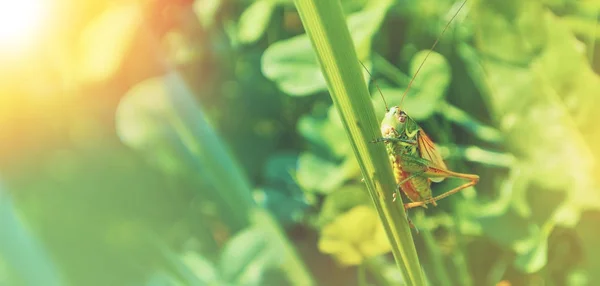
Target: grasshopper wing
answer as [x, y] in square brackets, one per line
[428, 152]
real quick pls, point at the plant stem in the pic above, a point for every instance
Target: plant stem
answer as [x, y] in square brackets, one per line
[326, 27]
[435, 254]
[226, 175]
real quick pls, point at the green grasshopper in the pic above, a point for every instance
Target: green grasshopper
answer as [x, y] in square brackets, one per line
[415, 160]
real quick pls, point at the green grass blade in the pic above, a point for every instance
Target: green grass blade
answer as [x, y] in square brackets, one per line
[161, 114]
[325, 24]
[21, 252]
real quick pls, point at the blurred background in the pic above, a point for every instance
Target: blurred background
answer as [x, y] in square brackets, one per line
[154, 142]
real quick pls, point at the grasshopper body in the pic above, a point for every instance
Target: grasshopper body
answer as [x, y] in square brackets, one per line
[415, 160]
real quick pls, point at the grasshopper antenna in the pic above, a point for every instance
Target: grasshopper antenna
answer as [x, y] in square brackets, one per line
[429, 52]
[376, 85]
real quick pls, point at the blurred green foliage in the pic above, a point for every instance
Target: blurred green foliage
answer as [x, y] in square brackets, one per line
[194, 143]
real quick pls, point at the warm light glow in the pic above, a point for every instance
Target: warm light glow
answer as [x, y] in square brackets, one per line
[19, 21]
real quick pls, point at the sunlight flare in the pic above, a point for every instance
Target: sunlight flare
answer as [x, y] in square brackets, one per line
[19, 21]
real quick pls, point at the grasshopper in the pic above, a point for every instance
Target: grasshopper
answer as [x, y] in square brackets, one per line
[415, 160]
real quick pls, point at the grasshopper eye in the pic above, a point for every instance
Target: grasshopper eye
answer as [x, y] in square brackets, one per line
[402, 117]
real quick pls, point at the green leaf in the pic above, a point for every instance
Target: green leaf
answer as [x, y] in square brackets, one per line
[255, 20]
[320, 171]
[541, 106]
[280, 167]
[292, 63]
[522, 234]
[286, 208]
[469, 123]
[534, 259]
[587, 232]
[204, 270]
[282, 195]
[247, 256]
[190, 269]
[501, 33]
[526, 239]
[316, 174]
[326, 133]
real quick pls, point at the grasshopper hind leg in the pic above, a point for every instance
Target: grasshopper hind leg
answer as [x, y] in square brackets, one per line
[473, 179]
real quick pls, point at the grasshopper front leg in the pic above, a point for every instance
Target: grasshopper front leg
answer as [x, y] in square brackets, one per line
[397, 191]
[378, 140]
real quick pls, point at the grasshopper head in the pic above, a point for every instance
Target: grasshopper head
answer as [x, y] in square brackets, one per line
[396, 122]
